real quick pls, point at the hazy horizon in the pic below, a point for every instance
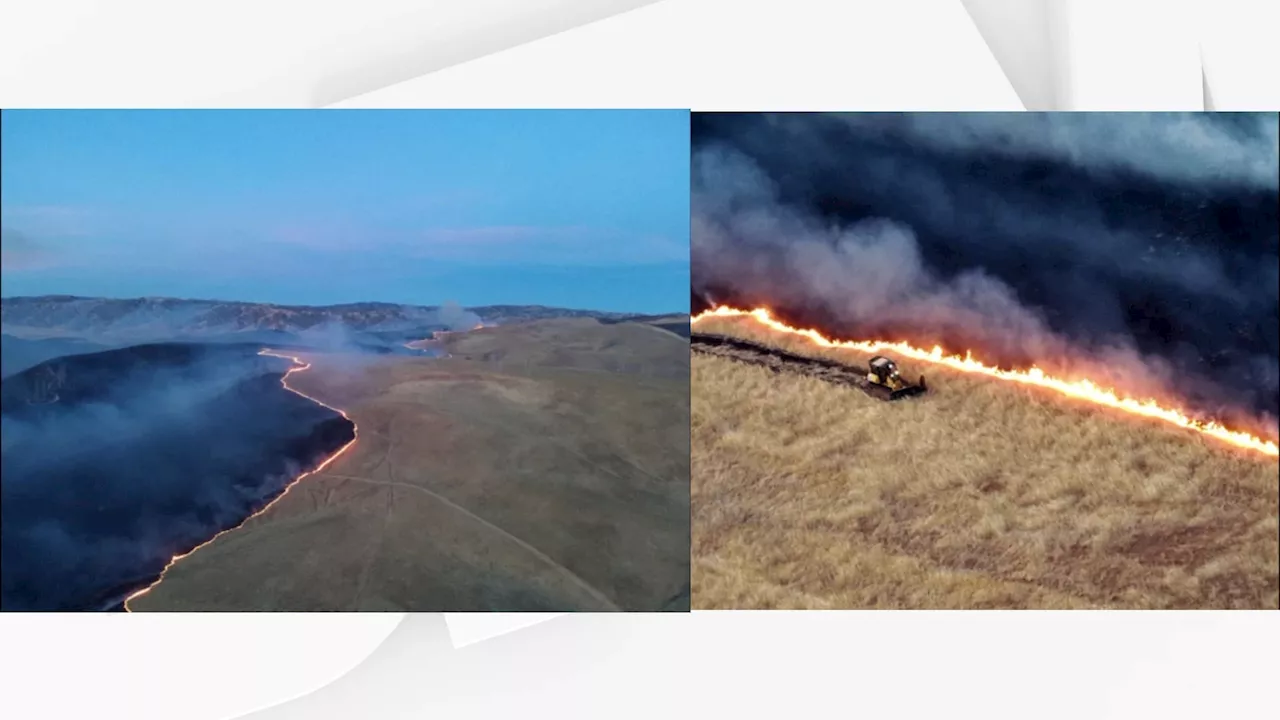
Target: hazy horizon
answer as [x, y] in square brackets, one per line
[681, 311]
[571, 209]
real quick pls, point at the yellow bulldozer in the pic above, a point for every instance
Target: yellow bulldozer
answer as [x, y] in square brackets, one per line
[886, 382]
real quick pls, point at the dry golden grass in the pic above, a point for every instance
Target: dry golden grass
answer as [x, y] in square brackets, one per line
[981, 494]
[537, 479]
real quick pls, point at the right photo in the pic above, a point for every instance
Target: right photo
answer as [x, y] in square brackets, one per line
[985, 360]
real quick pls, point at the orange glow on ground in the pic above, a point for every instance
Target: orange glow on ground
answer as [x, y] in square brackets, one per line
[1079, 389]
[298, 367]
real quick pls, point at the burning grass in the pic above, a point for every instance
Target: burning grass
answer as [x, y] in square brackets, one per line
[982, 494]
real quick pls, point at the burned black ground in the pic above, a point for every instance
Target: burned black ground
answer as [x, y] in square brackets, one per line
[145, 452]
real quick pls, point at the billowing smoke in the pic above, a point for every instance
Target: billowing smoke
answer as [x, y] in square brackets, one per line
[869, 272]
[456, 317]
[1225, 149]
[346, 350]
[19, 251]
[135, 455]
[1141, 249]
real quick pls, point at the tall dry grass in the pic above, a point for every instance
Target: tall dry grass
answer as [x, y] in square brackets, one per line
[981, 494]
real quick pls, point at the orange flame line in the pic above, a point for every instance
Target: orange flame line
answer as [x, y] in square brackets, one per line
[1080, 389]
[284, 381]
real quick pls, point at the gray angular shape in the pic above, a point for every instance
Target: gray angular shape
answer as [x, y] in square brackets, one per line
[1028, 40]
[500, 33]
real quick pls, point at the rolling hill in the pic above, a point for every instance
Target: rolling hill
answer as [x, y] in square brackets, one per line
[161, 319]
[539, 466]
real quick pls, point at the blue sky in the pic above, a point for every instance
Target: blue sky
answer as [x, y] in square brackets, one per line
[586, 209]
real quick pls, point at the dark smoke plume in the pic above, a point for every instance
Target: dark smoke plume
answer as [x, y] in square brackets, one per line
[1139, 248]
[115, 461]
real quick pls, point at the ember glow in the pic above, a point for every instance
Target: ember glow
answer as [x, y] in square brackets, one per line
[299, 366]
[1079, 389]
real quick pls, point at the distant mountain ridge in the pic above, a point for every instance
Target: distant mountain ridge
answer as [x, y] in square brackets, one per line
[74, 316]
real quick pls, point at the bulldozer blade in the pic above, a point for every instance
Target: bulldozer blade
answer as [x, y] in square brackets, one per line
[906, 392]
[881, 392]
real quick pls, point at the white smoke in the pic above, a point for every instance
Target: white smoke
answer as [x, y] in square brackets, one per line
[1236, 149]
[456, 317]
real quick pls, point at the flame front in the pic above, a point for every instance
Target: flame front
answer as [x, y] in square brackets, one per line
[299, 366]
[1080, 389]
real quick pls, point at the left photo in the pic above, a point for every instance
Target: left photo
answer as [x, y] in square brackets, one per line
[403, 360]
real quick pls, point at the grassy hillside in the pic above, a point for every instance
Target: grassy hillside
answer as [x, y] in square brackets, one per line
[980, 494]
[631, 348]
[545, 469]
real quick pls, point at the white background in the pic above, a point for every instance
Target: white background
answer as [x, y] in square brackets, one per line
[704, 54]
